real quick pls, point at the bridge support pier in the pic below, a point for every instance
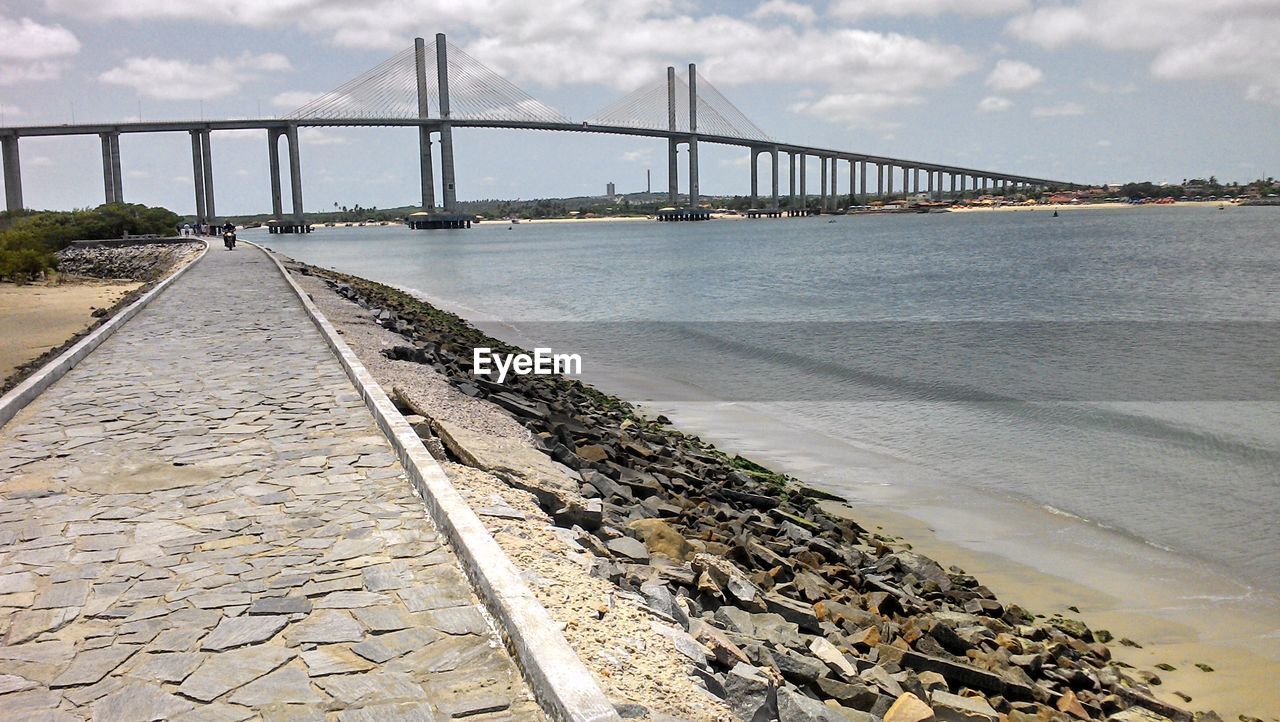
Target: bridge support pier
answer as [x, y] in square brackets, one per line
[673, 172]
[426, 176]
[755, 180]
[295, 172]
[197, 172]
[862, 182]
[12, 173]
[111, 181]
[835, 185]
[791, 183]
[773, 199]
[822, 183]
[693, 135]
[273, 159]
[804, 193]
[206, 167]
[446, 128]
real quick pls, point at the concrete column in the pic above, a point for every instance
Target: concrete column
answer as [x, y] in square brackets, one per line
[804, 194]
[197, 172]
[446, 129]
[773, 201]
[822, 182]
[12, 173]
[673, 167]
[853, 196]
[755, 181]
[834, 202]
[117, 190]
[880, 181]
[425, 173]
[888, 181]
[693, 135]
[206, 165]
[862, 181]
[295, 171]
[791, 180]
[108, 182]
[929, 179]
[673, 172]
[273, 159]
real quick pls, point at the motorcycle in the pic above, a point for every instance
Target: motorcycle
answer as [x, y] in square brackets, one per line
[229, 240]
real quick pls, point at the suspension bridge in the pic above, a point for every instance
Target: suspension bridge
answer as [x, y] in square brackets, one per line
[437, 87]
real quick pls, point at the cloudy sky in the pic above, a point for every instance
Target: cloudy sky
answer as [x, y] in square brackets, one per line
[1086, 90]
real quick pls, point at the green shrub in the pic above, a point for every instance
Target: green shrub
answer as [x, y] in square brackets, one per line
[28, 239]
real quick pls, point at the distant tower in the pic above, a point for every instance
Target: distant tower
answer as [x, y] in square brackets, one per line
[609, 190]
[648, 181]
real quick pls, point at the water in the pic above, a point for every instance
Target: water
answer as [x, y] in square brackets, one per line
[1117, 367]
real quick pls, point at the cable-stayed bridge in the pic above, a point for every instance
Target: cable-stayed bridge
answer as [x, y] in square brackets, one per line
[436, 87]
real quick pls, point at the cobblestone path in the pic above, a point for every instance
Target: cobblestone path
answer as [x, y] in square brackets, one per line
[201, 522]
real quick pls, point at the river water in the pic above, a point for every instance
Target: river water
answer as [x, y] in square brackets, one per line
[1102, 384]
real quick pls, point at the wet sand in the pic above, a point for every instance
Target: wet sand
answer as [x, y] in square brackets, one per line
[35, 318]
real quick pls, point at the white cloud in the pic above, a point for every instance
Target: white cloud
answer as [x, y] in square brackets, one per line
[1014, 75]
[1104, 143]
[854, 9]
[857, 110]
[786, 10]
[637, 156]
[174, 79]
[1188, 39]
[39, 161]
[622, 45]
[31, 52]
[293, 99]
[26, 39]
[1061, 110]
[994, 104]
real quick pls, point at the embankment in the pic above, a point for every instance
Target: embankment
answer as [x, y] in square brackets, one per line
[781, 610]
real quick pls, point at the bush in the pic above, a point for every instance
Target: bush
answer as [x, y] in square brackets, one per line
[29, 240]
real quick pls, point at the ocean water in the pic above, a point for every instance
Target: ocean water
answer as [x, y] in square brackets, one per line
[1117, 369]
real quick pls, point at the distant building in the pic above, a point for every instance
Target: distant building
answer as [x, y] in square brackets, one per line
[610, 190]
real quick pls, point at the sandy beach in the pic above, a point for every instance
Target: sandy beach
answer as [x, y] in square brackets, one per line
[1090, 207]
[37, 317]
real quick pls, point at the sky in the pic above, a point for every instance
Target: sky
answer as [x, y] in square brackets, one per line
[1089, 91]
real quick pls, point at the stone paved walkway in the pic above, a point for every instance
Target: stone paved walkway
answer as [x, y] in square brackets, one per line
[201, 521]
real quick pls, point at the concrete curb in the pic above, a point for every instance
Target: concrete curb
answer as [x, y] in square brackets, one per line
[560, 682]
[35, 384]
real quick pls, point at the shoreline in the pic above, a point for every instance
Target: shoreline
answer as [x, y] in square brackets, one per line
[1160, 691]
[1131, 607]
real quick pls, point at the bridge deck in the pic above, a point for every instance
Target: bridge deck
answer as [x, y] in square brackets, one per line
[202, 519]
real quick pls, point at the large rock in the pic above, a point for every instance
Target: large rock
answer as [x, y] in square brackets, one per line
[516, 463]
[949, 707]
[631, 549]
[751, 694]
[660, 537]
[850, 694]
[795, 707]
[908, 708]
[827, 652]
